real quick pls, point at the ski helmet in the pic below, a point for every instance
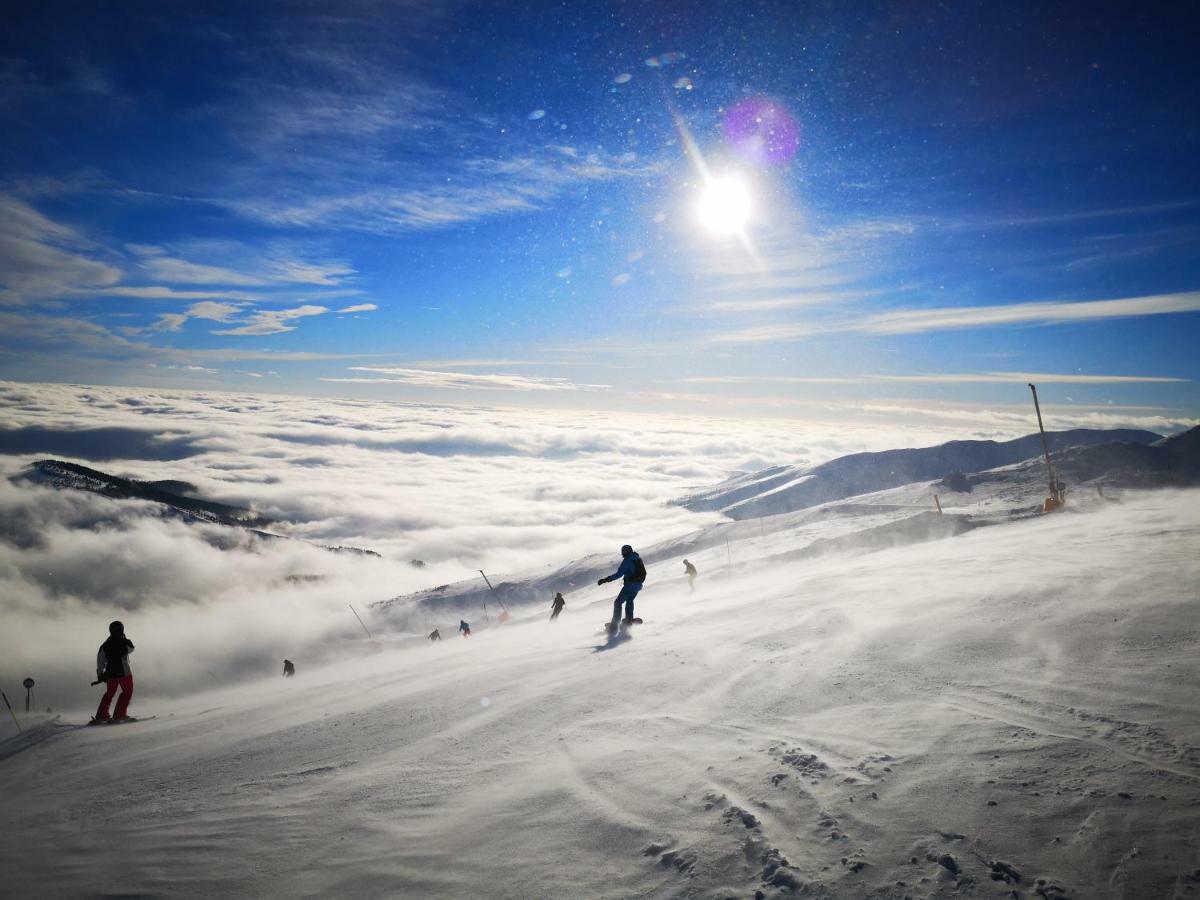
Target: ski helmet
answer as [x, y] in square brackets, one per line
[626, 550]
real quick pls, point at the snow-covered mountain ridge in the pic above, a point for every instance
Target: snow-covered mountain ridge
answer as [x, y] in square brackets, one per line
[862, 520]
[787, 488]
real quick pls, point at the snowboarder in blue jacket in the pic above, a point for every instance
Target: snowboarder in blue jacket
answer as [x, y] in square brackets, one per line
[633, 571]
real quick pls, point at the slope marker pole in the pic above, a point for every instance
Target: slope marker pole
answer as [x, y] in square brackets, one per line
[10, 710]
[360, 621]
[493, 590]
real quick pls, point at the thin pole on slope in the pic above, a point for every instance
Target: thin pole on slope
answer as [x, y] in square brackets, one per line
[728, 553]
[10, 710]
[360, 621]
[938, 502]
[493, 590]
[1045, 446]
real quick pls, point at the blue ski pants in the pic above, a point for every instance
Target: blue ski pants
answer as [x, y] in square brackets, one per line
[628, 592]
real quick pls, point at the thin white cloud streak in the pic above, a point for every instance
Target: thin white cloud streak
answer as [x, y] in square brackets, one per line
[361, 307]
[158, 292]
[1028, 220]
[768, 334]
[231, 263]
[1025, 377]
[948, 378]
[463, 380]
[949, 318]
[768, 379]
[181, 271]
[920, 321]
[771, 304]
[480, 363]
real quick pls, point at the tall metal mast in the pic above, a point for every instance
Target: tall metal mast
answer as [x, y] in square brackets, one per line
[1055, 490]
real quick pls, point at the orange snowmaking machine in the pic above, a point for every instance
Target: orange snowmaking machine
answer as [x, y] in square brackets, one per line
[1058, 490]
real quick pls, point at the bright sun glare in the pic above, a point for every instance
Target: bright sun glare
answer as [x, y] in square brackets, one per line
[724, 205]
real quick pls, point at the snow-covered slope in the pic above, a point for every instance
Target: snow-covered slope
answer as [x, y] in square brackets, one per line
[982, 497]
[787, 488]
[1012, 709]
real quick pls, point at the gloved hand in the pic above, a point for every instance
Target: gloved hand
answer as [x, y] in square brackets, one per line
[602, 581]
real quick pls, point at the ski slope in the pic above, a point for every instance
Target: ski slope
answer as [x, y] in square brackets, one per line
[1018, 702]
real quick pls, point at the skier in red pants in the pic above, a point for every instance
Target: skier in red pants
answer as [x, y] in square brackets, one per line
[112, 667]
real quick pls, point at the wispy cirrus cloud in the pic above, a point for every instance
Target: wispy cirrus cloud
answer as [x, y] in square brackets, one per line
[462, 380]
[359, 307]
[918, 321]
[780, 332]
[915, 321]
[213, 312]
[797, 263]
[40, 258]
[480, 363]
[1025, 377]
[938, 378]
[365, 142]
[229, 263]
[767, 379]
[159, 292]
[275, 321]
[401, 199]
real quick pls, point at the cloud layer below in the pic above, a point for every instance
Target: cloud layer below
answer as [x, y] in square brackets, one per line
[462, 489]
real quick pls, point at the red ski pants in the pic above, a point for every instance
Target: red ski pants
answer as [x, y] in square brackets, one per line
[125, 683]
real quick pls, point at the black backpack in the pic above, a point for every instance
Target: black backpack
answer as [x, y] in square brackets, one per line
[639, 570]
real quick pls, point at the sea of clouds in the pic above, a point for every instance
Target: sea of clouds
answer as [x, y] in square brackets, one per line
[460, 488]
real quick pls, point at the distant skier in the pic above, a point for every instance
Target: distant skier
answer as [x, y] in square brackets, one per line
[691, 573]
[633, 571]
[288, 668]
[435, 635]
[112, 667]
[557, 605]
[463, 628]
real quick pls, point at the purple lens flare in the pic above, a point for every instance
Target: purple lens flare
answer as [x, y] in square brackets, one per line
[762, 132]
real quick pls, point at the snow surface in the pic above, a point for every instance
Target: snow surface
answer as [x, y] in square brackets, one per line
[1018, 700]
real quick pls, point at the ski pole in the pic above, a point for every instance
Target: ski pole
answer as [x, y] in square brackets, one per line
[10, 710]
[360, 621]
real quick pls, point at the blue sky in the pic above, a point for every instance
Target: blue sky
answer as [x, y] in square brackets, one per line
[497, 203]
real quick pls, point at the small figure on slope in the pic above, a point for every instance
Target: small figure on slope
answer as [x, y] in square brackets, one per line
[691, 573]
[112, 667]
[633, 571]
[557, 606]
[435, 635]
[463, 628]
[288, 668]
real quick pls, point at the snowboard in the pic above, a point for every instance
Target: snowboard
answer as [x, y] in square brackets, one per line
[608, 629]
[129, 720]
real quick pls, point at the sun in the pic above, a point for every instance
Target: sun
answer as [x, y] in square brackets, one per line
[724, 205]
